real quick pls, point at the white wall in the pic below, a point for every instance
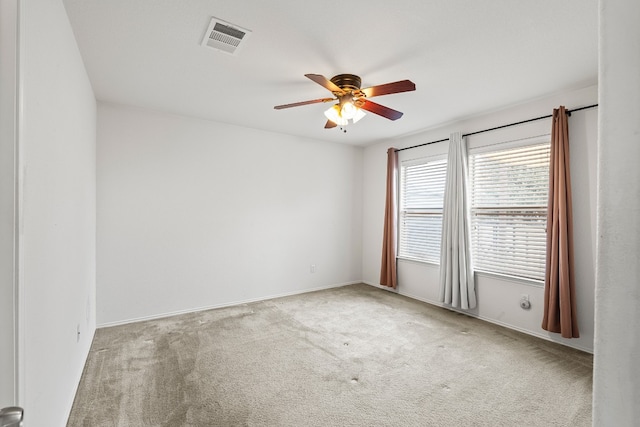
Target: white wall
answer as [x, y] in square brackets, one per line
[195, 214]
[498, 297]
[616, 388]
[57, 221]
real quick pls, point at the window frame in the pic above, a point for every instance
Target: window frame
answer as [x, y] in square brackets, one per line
[539, 211]
[441, 159]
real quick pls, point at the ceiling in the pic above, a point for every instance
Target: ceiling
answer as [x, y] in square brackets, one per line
[466, 57]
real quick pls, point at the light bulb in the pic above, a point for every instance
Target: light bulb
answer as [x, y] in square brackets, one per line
[349, 110]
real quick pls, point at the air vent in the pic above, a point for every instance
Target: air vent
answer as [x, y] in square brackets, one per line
[225, 37]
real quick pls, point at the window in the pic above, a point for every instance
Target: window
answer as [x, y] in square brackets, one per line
[509, 210]
[421, 199]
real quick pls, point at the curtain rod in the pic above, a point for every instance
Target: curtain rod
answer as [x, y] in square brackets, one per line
[498, 127]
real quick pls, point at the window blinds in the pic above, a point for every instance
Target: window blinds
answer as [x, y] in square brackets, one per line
[422, 195]
[509, 210]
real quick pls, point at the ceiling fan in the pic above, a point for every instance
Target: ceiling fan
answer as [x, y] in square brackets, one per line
[352, 100]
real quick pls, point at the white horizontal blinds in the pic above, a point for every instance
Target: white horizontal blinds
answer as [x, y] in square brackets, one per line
[421, 199]
[509, 210]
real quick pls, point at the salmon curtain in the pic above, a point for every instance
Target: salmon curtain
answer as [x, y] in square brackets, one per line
[388, 274]
[559, 285]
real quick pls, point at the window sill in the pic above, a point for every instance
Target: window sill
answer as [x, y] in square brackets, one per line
[529, 282]
[508, 278]
[418, 261]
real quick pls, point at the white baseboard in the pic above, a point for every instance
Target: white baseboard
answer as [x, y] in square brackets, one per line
[226, 304]
[384, 288]
[483, 318]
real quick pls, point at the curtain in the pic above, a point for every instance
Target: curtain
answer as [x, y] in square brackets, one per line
[559, 284]
[457, 285]
[388, 275]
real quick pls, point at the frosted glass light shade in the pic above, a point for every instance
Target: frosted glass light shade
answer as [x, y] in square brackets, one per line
[359, 114]
[333, 114]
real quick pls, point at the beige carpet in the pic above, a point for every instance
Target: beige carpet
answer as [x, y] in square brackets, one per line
[350, 356]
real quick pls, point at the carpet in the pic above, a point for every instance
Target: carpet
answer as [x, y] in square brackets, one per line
[348, 356]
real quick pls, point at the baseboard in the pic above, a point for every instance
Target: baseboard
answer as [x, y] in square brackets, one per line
[227, 304]
[483, 318]
[384, 288]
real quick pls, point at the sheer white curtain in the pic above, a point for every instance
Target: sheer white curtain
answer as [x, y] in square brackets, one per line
[457, 285]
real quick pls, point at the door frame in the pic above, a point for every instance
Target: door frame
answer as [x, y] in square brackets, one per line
[10, 214]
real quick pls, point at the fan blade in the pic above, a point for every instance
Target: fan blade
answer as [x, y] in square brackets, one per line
[297, 104]
[329, 124]
[380, 110]
[389, 88]
[324, 82]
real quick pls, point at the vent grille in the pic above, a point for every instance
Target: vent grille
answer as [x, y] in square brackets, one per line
[224, 37]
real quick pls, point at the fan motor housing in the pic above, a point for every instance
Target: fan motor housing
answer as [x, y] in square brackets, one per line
[347, 81]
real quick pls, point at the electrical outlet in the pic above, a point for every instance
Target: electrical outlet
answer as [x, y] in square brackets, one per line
[78, 333]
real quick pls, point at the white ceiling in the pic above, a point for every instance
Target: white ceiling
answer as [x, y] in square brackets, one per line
[465, 57]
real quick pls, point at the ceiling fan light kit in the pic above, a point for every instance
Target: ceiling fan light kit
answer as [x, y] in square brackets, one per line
[334, 115]
[346, 110]
[352, 100]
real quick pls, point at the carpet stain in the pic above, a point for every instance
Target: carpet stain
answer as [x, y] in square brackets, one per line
[168, 366]
[349, 356]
